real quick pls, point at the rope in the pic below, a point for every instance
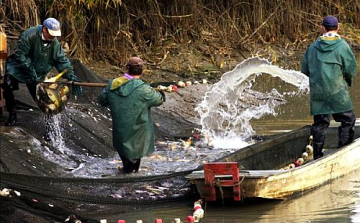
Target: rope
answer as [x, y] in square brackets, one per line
[217, 184]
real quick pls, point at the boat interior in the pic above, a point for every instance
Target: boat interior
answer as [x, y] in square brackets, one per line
[277, 154]
[282, 150]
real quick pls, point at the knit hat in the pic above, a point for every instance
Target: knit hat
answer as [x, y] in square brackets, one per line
[330, 21]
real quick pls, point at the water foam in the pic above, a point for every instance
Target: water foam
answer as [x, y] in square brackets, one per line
[55, 133]
[230, 104]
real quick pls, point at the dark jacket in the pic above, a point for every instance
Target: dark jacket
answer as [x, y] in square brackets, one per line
[32, 57]
[330, 65]
[130, 102]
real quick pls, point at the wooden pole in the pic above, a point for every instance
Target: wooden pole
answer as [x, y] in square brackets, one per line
[86, 84]
[83, 84]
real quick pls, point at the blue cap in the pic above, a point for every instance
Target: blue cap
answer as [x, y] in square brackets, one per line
[330, 21]
[53, 26]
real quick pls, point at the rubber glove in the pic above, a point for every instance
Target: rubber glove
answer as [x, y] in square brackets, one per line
[76, 90]
[33, 76]
[348, 81]
[163, 95]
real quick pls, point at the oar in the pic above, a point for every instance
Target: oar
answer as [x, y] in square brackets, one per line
[54, 80]
[87, 84]
[83, 84]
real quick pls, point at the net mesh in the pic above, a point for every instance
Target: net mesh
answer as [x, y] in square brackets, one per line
[89, 198]
[49, 190]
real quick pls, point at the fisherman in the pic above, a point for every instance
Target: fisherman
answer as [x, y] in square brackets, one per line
[37, 52]
[130, 100]
[331, 66]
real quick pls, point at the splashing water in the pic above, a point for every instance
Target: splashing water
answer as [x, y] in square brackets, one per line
[79, 164]
[356, 211]
[230, 104]
[55, 133]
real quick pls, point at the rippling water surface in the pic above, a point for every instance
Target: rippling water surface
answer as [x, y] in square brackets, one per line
[337, 201]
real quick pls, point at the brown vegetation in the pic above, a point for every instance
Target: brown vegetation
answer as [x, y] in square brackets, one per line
[113, 30]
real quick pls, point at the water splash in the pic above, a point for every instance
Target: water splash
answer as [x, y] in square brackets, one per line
[55, 133]
[229, 105]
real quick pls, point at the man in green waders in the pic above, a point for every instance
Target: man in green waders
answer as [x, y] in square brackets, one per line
[130, 100]
[37, 52]
[331, 66]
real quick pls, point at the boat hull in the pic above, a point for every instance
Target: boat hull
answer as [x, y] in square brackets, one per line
[281, 184]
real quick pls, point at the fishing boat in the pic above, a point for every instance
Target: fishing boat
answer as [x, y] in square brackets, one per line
[277, 168]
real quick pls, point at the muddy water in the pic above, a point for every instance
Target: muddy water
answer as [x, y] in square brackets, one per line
[338, 201]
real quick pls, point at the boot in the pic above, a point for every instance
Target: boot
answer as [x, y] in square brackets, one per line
[346, 135]
[12, 119]
[137, 165]
[318, 147]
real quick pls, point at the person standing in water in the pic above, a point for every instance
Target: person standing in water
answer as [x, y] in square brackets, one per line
[130, 100]
[37, 52]
[331, 66]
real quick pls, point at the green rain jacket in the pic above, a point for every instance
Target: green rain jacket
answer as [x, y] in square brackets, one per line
[330, 65]
[32, 57]
[130, 102]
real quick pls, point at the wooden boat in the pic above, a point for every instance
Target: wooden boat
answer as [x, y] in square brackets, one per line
[262, 173]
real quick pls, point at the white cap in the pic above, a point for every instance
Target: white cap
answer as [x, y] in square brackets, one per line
[53, 26]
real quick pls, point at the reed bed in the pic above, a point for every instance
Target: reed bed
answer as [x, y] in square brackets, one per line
[113, 30]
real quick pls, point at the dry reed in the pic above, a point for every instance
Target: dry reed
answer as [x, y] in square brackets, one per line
[113, 29]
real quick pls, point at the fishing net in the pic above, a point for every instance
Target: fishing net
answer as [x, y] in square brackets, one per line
[47, 175]
[51, 98]
[92, 198]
